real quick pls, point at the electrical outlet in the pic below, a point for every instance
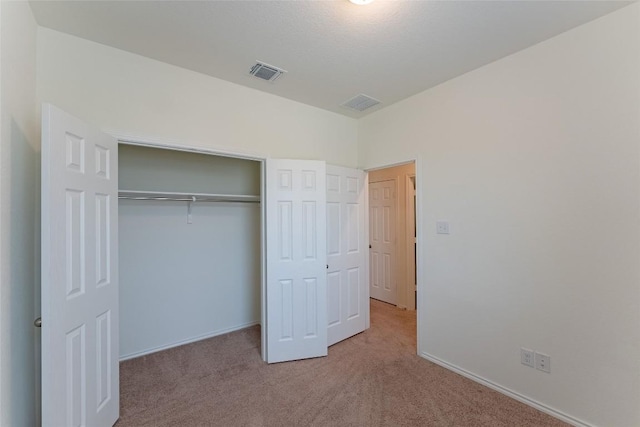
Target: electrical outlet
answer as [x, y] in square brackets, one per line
[543, 362]
[526, 357]
[442, 227]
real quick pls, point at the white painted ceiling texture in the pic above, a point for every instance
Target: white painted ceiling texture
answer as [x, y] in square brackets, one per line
[332, 50]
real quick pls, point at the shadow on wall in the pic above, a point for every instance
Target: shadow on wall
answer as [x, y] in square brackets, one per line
[23, 289]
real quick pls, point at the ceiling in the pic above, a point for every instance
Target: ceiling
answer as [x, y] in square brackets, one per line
[332, 50]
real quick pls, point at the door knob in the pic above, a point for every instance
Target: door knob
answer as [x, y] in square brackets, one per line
[38, 322]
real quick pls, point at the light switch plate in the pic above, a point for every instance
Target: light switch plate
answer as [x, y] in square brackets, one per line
[442, 227]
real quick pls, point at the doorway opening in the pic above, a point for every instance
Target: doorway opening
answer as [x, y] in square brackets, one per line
[189, 246]
[393, 238]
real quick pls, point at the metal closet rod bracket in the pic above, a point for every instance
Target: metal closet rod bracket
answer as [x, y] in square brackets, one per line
[189, 205]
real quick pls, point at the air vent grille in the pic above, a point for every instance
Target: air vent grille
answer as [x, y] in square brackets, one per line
[361, 102]
[266, 72]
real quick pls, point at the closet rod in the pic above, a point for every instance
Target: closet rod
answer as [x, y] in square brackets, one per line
[187, 197]
[168, 199]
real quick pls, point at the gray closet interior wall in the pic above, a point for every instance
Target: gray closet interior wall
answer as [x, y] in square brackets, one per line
[182, 282]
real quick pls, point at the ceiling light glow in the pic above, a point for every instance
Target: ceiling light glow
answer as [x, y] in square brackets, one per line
[361, 2]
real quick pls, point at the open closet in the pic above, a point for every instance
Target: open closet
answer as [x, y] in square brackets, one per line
[189, 246]
[146, 247]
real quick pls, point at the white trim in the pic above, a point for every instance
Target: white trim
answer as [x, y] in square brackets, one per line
[168, 144]
[507, 392]
[367, 237]
[396, 247]
[390, 165]
[420, 227]
[410, 239]
[188, 341]
[263, 270]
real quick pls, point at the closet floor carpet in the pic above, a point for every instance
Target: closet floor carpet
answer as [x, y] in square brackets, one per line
[372, 379]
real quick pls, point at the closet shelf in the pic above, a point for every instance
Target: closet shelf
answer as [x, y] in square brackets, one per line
[186, 197]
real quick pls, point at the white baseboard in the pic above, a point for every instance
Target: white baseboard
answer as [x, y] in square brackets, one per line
[187, 341]
[508, 392]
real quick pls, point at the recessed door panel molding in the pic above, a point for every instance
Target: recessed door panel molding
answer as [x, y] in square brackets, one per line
[296, 289]
[386, 193]
[309, 230]
[286, 305]
[80, 374]
[333, 183]
[75, 152]
[374, 218]
[311, 294]
[309, 180]
[333, 295]
[103, 359]
[354, 227]
[382, 231]
[388, 227]
[102, 161]
[76, 381]
[103, 243]
[75, 241]
[375, 269]
[285, 181]
[333, 228]
[353, 184]
[374, 193]
[348, 296]
[353, 294]
[386, 272]
[285, 230]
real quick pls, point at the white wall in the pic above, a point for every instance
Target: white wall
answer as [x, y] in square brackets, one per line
[19, 195]
[179, 281]
[535, 161]
[131, 94]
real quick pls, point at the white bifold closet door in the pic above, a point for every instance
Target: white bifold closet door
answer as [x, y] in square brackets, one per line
[347, 253]
[296, 259]
[317, 275]
[80, 375]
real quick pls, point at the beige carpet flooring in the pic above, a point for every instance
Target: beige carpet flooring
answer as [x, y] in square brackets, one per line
[372, 379]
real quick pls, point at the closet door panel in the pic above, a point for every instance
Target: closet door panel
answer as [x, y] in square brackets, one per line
[296, 260]
[347, 254]
[80, 375]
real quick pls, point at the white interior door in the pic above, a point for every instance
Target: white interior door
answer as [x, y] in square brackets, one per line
[296, 259]
[347, 252]
[382, 235]
[80, 376]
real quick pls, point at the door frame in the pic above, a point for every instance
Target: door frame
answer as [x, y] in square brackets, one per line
[410, 216]
[168, 144]
[420, 246]
[224, 152]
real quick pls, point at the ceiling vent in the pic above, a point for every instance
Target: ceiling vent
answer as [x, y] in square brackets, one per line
[361, 102]
[266, 72]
